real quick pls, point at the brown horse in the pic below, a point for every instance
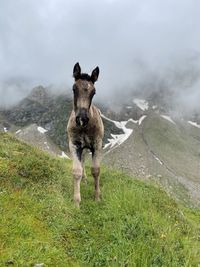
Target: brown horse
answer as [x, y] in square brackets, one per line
[85, 130]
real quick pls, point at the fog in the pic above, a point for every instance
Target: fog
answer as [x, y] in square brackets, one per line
[143, 45]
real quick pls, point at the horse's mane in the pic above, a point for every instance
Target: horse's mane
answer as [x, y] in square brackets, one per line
[84, 76]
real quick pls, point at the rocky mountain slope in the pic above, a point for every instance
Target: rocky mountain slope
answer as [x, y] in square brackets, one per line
[43, 108]
[48, 110]
[163, 150]
[158, 145]
[143, 137]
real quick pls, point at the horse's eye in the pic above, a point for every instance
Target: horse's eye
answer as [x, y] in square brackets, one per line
[93, 92]
[74, 88]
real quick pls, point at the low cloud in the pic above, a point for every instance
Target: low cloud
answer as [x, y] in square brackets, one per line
[138, 45]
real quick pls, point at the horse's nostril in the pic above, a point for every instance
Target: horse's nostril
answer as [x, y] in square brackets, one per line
[82, 121]
[86, 120]
[78, 120]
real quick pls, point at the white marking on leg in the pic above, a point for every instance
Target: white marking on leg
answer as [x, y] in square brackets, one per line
[77, 173]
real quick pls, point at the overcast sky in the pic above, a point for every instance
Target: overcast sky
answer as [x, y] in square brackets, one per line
[40, 41]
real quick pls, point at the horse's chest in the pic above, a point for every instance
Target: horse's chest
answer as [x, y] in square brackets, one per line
[86, 140]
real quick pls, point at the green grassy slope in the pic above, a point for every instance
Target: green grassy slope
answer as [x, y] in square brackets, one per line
[135, 224]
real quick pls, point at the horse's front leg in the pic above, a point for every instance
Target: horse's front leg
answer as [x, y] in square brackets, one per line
[84, 175]
[77, 172]
[95, 170]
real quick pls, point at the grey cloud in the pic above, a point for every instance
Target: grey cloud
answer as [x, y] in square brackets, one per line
[131, 41]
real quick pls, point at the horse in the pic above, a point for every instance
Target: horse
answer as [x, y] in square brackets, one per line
[85, 130]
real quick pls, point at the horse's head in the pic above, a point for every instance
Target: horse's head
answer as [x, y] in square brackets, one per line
[84, 91]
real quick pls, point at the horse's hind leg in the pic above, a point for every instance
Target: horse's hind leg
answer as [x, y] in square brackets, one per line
[84, 176]
[95, 172]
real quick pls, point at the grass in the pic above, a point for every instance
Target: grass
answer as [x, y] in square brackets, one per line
[135, 224]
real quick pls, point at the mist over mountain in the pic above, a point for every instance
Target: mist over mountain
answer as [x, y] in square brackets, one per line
[176, 87]
[141, 47]
[144, 137]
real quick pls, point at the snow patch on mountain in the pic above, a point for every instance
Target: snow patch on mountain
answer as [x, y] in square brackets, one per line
[154, 107]
[158, 160]
[167, 118]
[41, 130]
[18, 131]
[141, 103]
[194, 124]
[122, 124]
[118, 139]
[141, 119]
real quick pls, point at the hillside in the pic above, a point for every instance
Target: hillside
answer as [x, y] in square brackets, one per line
[45, 109]
[142, 137]
[135, 224]
[48, 110]
[164, 150]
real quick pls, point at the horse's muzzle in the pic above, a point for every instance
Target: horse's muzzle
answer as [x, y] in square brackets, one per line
[82, 118]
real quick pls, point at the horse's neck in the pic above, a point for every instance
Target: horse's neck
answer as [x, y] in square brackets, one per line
[91, 111]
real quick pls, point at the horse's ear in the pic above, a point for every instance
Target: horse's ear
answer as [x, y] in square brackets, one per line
[76, 71]
[95, 74]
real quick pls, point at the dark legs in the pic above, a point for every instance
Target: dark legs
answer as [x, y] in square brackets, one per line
[84, 176]
[95, 170]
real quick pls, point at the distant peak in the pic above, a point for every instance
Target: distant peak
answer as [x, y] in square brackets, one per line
[39, 94]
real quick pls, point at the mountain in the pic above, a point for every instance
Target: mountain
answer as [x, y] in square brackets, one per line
[161, 149]
[48, 110]
[159, 146]
[135, 223]
[143, 137]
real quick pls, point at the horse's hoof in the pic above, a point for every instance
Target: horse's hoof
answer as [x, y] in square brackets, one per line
[77, 205]
[98, 198]
[77, 200]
